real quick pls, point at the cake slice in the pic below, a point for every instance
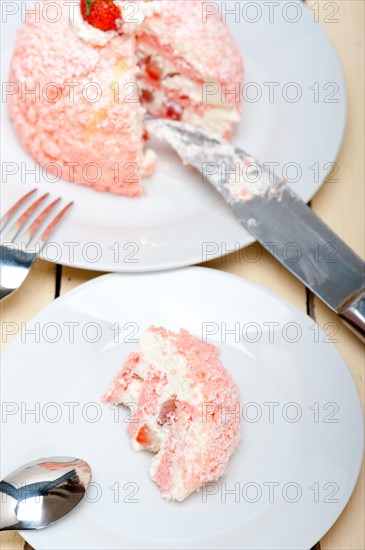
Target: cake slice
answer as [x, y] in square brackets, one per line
[185, 409]
[191, 66]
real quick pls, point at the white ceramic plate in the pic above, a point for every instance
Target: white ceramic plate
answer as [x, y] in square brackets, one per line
[302, 430]
[170, 226]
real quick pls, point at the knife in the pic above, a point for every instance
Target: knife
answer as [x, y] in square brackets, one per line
[272, 212]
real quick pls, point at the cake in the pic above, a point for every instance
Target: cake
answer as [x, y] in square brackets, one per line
[191, 67]
[83, 78]
[185, 409]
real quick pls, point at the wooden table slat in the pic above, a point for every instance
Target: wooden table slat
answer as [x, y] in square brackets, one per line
[339, 204]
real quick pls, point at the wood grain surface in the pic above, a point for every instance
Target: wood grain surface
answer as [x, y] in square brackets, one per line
[340, 204]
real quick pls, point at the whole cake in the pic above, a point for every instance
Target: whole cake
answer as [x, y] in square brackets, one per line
[183, 403]
[83, 79]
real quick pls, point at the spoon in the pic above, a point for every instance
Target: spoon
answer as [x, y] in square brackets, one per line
[42, 492]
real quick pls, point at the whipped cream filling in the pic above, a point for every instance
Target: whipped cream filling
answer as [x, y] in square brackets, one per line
[218, 115]
[191, 88]
[133, 15]
[162, 354]
[214, 119]
[217, 118]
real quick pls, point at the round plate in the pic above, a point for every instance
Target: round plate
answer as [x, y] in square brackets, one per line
[294, 113]
[301, 422]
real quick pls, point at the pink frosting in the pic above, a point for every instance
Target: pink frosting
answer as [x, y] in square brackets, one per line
[73, 129]
[202, 49]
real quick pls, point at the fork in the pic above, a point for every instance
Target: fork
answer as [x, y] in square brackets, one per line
[16, 260]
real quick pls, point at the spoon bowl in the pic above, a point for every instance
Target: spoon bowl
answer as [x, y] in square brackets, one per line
[42, 492]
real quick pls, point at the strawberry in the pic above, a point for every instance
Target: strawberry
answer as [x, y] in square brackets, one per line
[167, 412]
[146, 96]
[153, 69]
[173, 111]
[148, 439]
[101, 14]
[143, 436]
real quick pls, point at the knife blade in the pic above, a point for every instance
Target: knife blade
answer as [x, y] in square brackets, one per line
[272, 212]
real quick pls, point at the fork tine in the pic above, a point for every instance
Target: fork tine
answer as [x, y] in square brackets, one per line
[10, 213]
[52, 226]
[15, 228]
[35, 225]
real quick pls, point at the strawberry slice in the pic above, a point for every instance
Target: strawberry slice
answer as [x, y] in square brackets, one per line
[167, 412]
[173, 111]
[143, 436]
[147, 438]
[153, 69]
[101, 14]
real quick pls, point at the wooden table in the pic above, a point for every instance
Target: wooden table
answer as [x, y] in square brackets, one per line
[339, 204]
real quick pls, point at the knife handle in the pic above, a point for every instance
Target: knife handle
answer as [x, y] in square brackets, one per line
[353, 314]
